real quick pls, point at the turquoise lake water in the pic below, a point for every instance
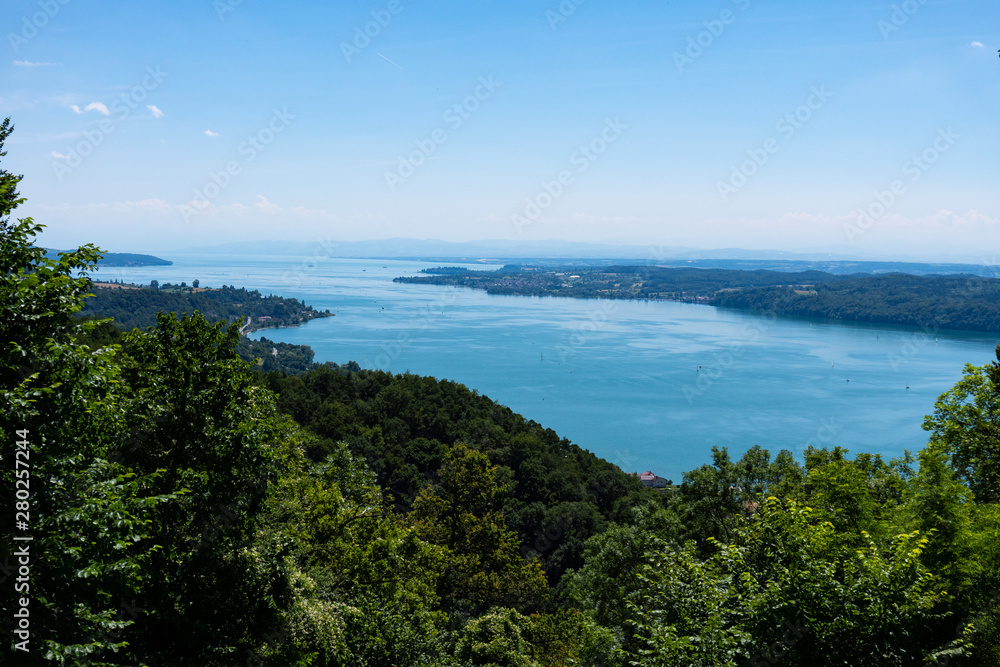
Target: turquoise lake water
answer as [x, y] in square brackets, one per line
[620, 378]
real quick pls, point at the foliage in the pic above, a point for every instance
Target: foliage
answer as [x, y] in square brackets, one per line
[787, 591]
[966, 425]
[9, 197]
[87, 514]
[713, 498]
[401, 426]
[483, 565]
[608, 586]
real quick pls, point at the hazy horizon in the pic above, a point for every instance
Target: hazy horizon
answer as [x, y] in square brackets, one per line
[502, 249]
[858, 129]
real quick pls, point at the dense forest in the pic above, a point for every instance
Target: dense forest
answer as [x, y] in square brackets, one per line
[933, 302]
[402, 426]
[617, 282]
[133, 308]
[111, 309]
[166, 505]
[962, 302]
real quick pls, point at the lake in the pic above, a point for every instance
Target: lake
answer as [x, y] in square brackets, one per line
[646, 385]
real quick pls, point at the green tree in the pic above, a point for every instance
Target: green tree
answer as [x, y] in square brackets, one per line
[194, 413]
[787, 591]
[9, 197]
[966, 425]
[484, 566]
[713, 498]
[498, 638]
[146, 466]
[942, 508]
[361, 570]
[606, 586]
[88, 515]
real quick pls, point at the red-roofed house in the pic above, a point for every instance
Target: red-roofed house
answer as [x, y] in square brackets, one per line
[649, 479]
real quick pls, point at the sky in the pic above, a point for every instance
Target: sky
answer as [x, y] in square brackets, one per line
[859, 128]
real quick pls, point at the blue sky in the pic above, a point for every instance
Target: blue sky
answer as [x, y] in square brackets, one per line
[860, 128]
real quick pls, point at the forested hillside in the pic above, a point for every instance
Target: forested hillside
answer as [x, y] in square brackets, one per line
[963, 302]
[618, 282]
[970, 303]
[166, 506]
[402, 425]
[110, 259]
[133, 308]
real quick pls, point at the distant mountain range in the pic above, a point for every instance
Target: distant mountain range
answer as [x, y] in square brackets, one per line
[400, 248]
[570, 253]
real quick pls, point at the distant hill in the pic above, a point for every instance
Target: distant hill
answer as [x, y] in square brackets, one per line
[134, 306]
[400, 248]
[556, 253]
[961, 302]
[120, 259]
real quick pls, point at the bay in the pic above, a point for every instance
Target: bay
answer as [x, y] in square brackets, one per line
[645, 385]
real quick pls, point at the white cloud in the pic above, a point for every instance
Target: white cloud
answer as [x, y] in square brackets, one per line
[262, 204]
[978, 45]
[156, 110]
[211, 134]
[28, 63]
[99, 107]
[58, 155]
